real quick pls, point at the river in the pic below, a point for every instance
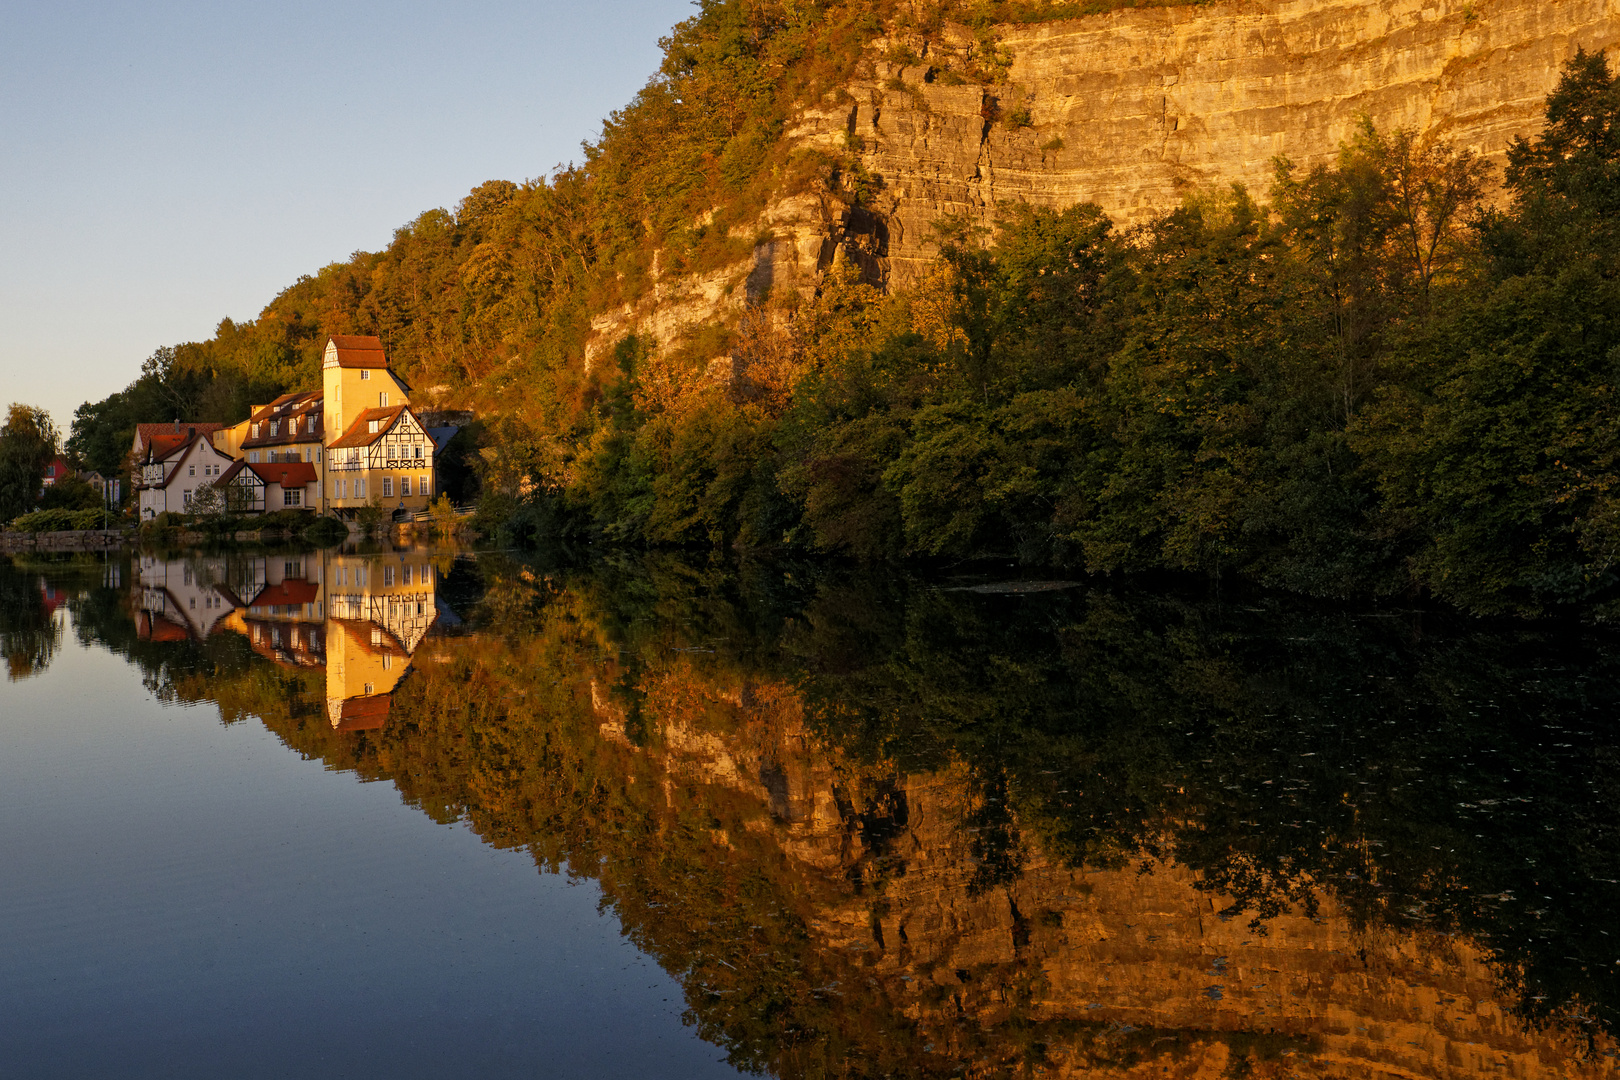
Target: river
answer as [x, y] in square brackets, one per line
[378, 812]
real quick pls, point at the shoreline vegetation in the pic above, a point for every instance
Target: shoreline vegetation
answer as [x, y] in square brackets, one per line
[1380, 381]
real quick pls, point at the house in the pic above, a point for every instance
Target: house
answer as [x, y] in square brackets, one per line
[175, 468]
[171, 433]
[357, 440]
[386, 455]
[57, 469]
[377, 448]
[253, 487]
[290, 428]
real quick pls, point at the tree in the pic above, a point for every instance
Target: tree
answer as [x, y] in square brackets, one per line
[27, 443]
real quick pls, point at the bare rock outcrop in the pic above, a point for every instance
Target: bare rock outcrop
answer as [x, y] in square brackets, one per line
[1133, 109]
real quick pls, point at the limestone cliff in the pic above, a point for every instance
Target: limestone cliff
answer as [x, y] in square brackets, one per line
[1131, 110]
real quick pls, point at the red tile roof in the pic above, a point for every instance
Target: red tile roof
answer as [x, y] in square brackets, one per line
[286, 473]
[363, 714]
[292, 412]
[291, 591]
[354, 351]
[360, 433]
[156, 628]
[146, 432]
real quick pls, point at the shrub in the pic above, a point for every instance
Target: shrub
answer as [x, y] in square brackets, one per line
[58, 520]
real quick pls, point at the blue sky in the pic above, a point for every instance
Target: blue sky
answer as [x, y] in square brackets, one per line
[166, 164]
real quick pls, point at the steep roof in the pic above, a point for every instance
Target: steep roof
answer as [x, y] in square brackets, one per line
[286, 473]
[361, 714]
[354, 351]
[290, 411]
[146, 432]
[360, 433]
[291, 591]
[179, 451]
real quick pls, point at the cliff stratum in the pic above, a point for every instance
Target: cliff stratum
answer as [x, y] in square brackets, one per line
[1132, 110]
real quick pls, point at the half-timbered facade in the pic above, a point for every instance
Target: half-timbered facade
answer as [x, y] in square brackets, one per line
[174, 471]
[263, 487]
[385, 455]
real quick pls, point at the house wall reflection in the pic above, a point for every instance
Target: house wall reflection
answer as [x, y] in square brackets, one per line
[359, 617]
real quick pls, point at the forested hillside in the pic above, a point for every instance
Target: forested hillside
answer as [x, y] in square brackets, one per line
[1364, 380]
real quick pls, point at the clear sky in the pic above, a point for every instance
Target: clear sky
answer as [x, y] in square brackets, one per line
[166, 163]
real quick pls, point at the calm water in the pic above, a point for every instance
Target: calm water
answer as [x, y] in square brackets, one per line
[410, 813]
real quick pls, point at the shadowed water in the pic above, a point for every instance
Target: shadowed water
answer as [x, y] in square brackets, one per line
[415, 813]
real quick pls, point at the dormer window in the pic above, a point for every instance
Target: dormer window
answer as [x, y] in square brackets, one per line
[372, 427]
[275, 427]
[255, 431]
[365, 375]
[312, 423]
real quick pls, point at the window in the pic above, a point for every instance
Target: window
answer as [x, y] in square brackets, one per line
[255, 430]
[364, 375]
[406, 575]
[422, 484]
[359, 489]
[388, 487]
[253, 457]
[312, 424]
[292, 497]
[191, 470]
[419, 451]
[404, 485]
[186, 496]
[317, 454]
[275, 427]
[388, 577]
[382, 399]
[393, 452]
[337, 486]
[369, 690]
[372, 427]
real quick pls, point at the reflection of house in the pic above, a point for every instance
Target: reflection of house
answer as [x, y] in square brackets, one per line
[182, 599]
[380, 610]
[360, 617]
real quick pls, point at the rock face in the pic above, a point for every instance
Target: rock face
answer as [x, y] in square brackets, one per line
[1133, 109]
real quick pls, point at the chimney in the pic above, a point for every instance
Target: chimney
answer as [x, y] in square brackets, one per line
[177, 425]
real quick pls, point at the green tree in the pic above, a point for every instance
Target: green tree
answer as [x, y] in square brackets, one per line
[27, 443]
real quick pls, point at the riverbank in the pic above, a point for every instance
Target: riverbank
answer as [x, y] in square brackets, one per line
[71, 540]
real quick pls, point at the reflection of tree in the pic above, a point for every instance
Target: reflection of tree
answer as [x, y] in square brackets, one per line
[1424, 777]
[29, 632]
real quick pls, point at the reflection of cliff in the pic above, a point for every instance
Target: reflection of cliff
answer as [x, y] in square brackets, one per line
[877, 829]
[1111, 971]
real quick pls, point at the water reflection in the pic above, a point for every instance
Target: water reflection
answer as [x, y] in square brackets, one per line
[354, 618]
[882, 826]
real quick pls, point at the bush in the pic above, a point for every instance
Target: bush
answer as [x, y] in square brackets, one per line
[326, 531]
[371, 515]
[58, 521]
